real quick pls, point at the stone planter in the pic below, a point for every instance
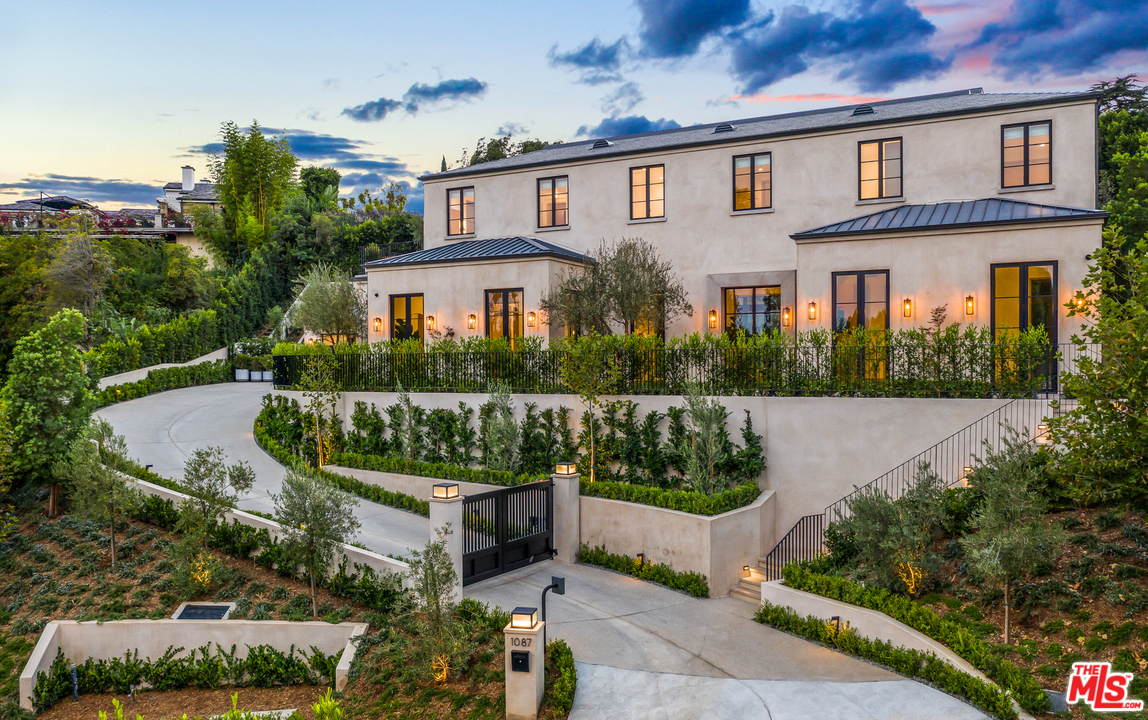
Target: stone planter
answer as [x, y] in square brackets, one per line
[268, 375]
[242, 375]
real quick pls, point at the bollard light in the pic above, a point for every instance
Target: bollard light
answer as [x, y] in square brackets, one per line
[641, 560]
[445, 491]
[836, 620]
[566, 468]
[524, 618]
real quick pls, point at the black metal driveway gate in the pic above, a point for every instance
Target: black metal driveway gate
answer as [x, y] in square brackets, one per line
[506, 529]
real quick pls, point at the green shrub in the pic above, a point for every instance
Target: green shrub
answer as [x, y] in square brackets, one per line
[433, 470]
[561, 695]
[167, 379]
[688, 501]
[689, 582]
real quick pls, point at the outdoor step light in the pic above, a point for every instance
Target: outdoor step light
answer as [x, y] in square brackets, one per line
[566, 468]
[524, 618]
[969, 306]
[445, 491]
[812, 311]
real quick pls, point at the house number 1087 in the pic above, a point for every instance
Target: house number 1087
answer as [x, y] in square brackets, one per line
[520, 641]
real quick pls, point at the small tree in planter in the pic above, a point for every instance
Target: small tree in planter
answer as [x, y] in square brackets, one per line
[705, 440]
[242, 365]
[215, 487]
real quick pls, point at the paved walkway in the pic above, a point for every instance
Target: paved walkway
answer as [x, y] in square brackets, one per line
[644, 652]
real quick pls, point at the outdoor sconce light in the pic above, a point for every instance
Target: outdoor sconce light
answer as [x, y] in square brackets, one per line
[378, 324]
[786, 317]
[1079, 301]
[471, 321]
[641, 560]
[445, 491]
[531, 319]
[524, 618]
[430, 322]
[968, 469]
[969, 306]
[566, 468]
[745, 568]
[713, 319]
[908, 307]
[812, 311]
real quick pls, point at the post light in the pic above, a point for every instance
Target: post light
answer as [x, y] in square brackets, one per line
[378, 324]
[524, 618]
[444, 491]
[908, 307]
[566, 468]
[812, 311]
[641, 560]
[471, 321]
[531, 319]
[713, 319]
[430, 322]
[836, 620]
[969, 306]
[786, 317]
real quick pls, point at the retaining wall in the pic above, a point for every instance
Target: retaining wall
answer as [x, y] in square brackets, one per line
[141, 373]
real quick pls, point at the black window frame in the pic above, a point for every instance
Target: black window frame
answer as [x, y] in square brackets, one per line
[860, 275]
[391, 308]
[752, 175]
[505, 311]
[461, 209]
[1026, 165]
[881, 168]
[553, 210]
[630, 182]
[1024, 296]
[726, 315]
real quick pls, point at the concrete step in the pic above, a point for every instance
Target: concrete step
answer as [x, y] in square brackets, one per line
[742, 594]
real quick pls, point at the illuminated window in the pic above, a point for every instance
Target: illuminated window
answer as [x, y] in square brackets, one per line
[460, 211]
[1024, 296]
[880, 170]
[1026, 154]
[752, 186]
[553, 210]
[753, 310]
[861, 299]
[407, 317]
[504, 313]
[647, 192]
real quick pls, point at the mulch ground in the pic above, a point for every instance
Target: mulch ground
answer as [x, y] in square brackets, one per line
[194, 703]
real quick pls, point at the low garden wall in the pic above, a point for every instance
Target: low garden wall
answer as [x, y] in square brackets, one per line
[419, 487]
[137, 375]
[716, 546]
[151, 638]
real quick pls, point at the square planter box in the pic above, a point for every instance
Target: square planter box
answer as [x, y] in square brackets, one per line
[242, 375]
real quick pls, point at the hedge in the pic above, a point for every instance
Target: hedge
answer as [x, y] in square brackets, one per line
[167, 379]
[689, 582]
[441, 471]
[688, 501]
[1023, 686]
[561, 696]
[373, 493]
[912, 663]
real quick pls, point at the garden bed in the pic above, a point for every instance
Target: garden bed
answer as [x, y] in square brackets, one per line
[189, 702]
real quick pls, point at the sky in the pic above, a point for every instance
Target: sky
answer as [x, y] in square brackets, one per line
[106, 101]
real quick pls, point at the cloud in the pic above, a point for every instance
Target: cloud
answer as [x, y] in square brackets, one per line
[1064, 37]
[85, 188]
[676, 28]
[418, 97]
[512, 128]
[596, 61]
[877, 44]
[631, 125]
[622, 100]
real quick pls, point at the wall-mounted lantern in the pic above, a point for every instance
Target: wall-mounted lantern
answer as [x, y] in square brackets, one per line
[786, 317]
[1079, 300]
[471, 321]
[908, 307]
[524, 618]
[531, 319]
[378, 324]
[430, 322]
[812, 311]
[566, 468]
[444, 491]
[970, 305]
[713, 319]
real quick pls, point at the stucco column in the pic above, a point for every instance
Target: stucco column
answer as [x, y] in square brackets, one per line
[567, 516]
[445, 512]
[525, 666]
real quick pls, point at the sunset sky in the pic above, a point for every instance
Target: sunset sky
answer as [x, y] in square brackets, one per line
[105, 101]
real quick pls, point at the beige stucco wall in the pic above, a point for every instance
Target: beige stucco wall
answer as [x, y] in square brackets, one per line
[943, 268]
[814, 181]
[413, 485]
[451, 292]
[194, 244]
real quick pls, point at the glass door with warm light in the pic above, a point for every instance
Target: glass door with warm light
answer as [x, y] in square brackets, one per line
[407, 317]
[504, 313]
[1024, 297]
[861, 302]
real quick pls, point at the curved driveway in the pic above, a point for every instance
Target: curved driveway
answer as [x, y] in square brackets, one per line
[644, 651]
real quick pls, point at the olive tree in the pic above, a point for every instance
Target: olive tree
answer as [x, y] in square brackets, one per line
[214, 487]
[95, 490]
[330, 304]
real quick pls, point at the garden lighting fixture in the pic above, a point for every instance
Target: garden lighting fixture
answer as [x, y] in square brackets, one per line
[566, 468]
[524, 618]
[445, 491]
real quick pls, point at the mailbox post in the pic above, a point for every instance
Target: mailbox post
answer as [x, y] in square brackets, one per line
[525, 664]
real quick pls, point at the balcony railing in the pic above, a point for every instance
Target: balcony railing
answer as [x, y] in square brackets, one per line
[370, 253]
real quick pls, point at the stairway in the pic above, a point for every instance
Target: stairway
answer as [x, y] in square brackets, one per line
[749, 587]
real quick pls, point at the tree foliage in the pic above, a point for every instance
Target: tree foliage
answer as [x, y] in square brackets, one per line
[95, 490]
[316, 182]
[330, 305]
[497, 149]
[705, 440]
[79, 272]
[214, 488]
[590, 369]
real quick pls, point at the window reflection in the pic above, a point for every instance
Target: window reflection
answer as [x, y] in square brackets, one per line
[1026, 154]
[460, 211]
[647, 188]
[880, 170]
[861, 299]
[752, 186]
[752, 310]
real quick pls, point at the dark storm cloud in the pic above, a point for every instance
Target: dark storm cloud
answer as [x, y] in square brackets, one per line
[418, 97]
[611, 126]
[676, 28]
[82, 188]
[596, 61]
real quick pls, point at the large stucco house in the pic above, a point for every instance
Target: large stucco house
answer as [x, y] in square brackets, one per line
[863, 214]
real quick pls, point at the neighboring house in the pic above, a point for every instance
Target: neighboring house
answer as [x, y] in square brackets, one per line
[854, 215]
[175, 209]
[35, 213]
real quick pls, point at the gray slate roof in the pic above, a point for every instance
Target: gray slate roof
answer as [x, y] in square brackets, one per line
[887, 111]
[968, 213]
[511, 248]
[201, 191]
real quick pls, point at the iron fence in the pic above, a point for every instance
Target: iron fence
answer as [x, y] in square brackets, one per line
[370, 253]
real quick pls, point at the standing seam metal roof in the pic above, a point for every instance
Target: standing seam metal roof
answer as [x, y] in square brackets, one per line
[509, 248]
[967, 213]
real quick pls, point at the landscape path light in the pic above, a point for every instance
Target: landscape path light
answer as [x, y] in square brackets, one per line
[558, 585]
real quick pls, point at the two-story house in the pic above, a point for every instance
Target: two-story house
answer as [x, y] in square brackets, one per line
[853, 215]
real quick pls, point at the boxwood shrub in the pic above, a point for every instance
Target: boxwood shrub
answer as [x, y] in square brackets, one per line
[684, 500]
[167, 379]
[433, 470]
[689, 582]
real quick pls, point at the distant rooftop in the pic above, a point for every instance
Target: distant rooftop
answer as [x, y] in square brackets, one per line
[55, 202]
[509, 248]
[840, 116]
[201, 191]
[968, 213]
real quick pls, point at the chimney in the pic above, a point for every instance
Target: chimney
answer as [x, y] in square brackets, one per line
[188, 178]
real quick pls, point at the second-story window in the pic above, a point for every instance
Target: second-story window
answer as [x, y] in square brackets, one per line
[460, 211]
[553, 210]
[647, 192]
[752, 186]
[880, 170]
[1026, 154]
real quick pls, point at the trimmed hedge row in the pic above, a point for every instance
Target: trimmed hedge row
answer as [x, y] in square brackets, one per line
[911, 663]
[373, 493]
[689, 582]
[684, 500]
[167, 379]
[983, 657]
[561, 696]
[441, 471]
